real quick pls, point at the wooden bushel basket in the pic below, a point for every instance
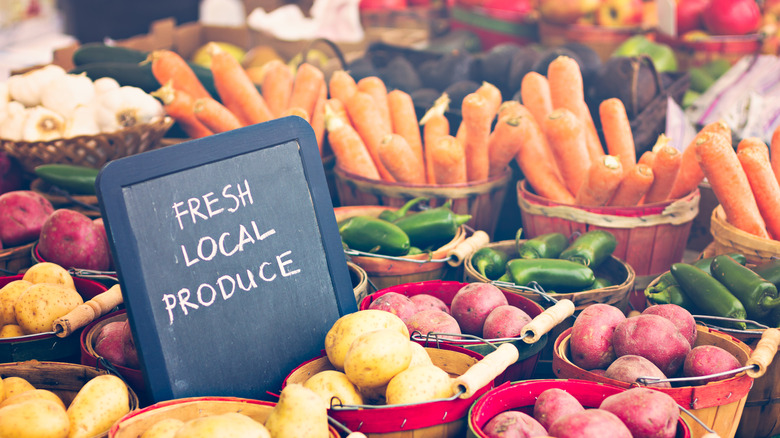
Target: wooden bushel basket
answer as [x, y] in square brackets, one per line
[17, 258]
[649, 237]
[445, 291]
[135, 423]
[727, 238]
[47, 346]
[440, 418]
[521, 396]
[63, 379]
[383, 272]
[717, 404]
[761, 416]
[482, 200]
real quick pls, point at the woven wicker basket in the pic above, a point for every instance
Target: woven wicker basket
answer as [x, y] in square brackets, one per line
[728, 238]
[91, 151]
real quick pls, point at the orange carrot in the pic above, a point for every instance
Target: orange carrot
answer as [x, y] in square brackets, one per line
[306, 87]
[566, 91]
[690, 174]
[774, 151]
[214, 115]
[665, 166]
[537, 163]
[635, 184]
[477, 118]
[448, 160]
[351, 153]
[722, 168]
[435, 124]
[753, 142]
[341, 85]
[647, 158]
[295, 111]
[318, 118]
[617, 131]
[400, 160]
[364, 114]
[566, 136]
[403, 118]
[492, 95]
[337, 108]
[236, 90]
[169, 66]
[178, 105]
[377, 89]
[755, 163]
[510, 109]
[535, 92]
[503, 144]
[602, 180]
[276, 86]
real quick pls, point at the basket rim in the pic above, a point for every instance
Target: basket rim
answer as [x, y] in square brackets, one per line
[416, 190]
[720, 225]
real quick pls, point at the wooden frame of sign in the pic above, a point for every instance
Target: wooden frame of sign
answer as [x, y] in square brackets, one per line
[229, 258]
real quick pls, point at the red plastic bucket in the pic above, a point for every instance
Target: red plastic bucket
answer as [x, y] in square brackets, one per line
[521, 396]
[446, 290]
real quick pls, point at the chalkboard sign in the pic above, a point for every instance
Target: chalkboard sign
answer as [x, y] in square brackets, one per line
[229, 258]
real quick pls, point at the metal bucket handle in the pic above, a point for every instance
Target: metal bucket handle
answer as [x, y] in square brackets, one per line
[710, 433]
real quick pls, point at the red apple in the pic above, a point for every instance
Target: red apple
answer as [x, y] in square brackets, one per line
[732, 17]
[689, 15]
[620, 13]
[566, 11]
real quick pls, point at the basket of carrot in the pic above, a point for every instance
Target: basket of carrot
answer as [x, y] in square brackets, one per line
[574, 183]
[745, 182]
[385, 157]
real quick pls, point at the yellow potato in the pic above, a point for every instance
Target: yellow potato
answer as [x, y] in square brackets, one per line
[42, 303]
[165, 428]
[419, 384]
[334, 385]
[13, 385]
[300, 412]
[47, 272]
[11, 331]
[376, 357]
[350, 326]
[419, 355]
[98, 404]
[34, 393]
[8, 295]
[228, 425]
[35, 418]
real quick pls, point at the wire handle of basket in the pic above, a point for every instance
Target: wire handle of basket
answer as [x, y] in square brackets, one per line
[530, 287]
[340, 426]
[710, 433]
[651, 380]
[93, 274]
[703, 318]
[454, 257]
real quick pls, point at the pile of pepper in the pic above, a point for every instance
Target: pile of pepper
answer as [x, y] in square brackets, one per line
[722, 286]
[550, 261]
[402, 232]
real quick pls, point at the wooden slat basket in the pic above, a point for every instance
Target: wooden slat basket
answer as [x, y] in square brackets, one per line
[727, 238]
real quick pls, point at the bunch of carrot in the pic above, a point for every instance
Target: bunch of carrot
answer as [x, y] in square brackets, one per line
[282, 92]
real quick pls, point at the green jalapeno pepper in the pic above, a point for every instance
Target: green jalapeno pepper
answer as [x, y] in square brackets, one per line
[551, 273]
[393, 215]
[506, 278]
[667, 291]
[432, 227]
[704, 264]
[591, 249]
[489, 262]
[544, 246]
[758, 295]
[769, 271]
[77, 180]
[708, 294]
[370, 234]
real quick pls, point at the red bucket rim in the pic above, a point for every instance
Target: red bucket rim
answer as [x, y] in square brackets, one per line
[692, 397]
[492, 403]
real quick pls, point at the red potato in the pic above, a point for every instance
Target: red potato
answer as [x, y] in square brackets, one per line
[553, 404]
[109, 343]
[22, 214]
[646, 412]
[591, 336]
[433, 320]
[680, 317]
[128, 347]
[513, 424]
[709, 359]
[472, 304]
[398, 304]
[426, 302]
[654, 338]
[70, 239]
[505, 322]
[590, 423]
[630, 367]
[101, 227]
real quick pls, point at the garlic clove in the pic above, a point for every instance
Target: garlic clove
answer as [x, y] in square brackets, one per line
[81, 122]
[13, 122]
[42, 124]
